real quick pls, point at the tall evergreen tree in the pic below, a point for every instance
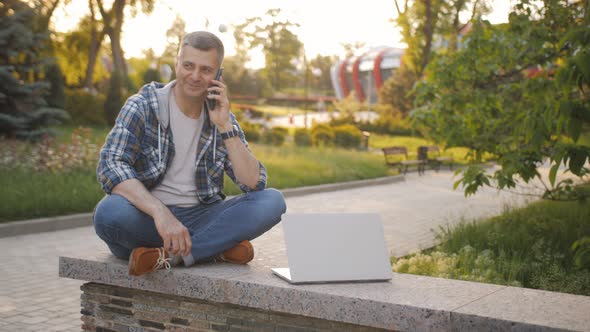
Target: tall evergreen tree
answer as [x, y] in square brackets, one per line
[24, 113]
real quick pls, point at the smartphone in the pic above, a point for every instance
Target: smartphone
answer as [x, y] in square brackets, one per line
[211, 102]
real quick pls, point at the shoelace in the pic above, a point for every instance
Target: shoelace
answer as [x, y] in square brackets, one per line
[162, 260]
[219, 259]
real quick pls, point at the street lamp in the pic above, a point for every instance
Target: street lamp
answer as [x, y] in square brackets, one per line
[369, 93]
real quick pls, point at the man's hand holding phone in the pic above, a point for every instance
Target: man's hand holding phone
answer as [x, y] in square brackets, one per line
[218, 103]
[212, 101]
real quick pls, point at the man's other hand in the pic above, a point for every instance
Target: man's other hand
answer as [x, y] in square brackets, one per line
[176, 237]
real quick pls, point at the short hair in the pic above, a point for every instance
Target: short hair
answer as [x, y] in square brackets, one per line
[204, 41]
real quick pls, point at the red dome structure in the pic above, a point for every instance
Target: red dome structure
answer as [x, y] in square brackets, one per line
[365, 74]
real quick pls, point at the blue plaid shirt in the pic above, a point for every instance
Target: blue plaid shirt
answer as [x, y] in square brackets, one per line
[139, 147]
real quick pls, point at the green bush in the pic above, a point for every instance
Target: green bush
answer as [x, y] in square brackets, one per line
[347, 136]
[55, 96]
[322, 135]
[540, 246]
[85, 108]
[581, 250]
[252, 131]
[302, 137]
[467, 264]
[151, 75]
[275, 136]
[48, 155]
[342, 119]
[387, 126]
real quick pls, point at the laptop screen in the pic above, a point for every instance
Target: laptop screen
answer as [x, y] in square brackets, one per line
[336, 247]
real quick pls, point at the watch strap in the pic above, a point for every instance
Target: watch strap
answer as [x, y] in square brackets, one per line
[229, 134]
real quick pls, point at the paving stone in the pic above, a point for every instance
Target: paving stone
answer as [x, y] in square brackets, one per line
[409, 210]
[35, 320]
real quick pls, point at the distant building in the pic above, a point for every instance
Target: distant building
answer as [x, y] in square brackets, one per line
[364, 74]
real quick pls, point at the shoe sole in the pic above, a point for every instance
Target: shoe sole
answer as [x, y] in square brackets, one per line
[131, 264]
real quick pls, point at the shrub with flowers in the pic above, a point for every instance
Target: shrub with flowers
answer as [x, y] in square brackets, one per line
[465, 265]
[48, 155]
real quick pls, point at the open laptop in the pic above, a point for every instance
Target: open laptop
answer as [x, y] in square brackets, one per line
[335, 247]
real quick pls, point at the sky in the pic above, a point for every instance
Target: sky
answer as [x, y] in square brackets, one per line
[324, 24]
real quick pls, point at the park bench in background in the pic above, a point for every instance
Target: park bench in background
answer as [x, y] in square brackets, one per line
[431, 155]
[397, 156]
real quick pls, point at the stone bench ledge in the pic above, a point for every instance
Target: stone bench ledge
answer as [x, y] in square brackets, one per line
[407, 302]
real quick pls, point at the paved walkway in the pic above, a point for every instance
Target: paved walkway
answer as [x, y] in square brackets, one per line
[34, 298]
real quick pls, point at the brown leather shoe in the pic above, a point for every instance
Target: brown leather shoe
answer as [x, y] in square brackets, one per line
[144, 260]
[241, 253]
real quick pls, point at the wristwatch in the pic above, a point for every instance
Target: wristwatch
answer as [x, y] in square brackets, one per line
[232, 133]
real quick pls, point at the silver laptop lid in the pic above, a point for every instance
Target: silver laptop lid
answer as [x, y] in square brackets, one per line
[336, 247]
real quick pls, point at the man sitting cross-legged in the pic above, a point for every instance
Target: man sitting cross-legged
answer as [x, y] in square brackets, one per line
[162, 167]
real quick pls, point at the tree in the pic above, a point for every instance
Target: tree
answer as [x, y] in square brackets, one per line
[396, 93]
[320, 68]
[24, 114]
[519, 92]
[151, 75]
[451, 26]
[97, 33]
[423, 21]
[238, 78]
[351, 49]
[44, 10]
[280, 46]
[149, 71]
[76, 53]
[174, 37]
[114, 99]
[426, 26]
[113, 23]
[418, 22]
[56, 96]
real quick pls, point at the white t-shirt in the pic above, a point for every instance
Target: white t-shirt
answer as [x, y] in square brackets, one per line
[178, 186]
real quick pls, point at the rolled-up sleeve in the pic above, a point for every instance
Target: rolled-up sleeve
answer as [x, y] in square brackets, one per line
[121, 147]
[262, 175]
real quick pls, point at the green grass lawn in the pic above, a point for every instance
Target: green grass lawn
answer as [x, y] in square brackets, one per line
[27, 194]
[290, 166]
[528, 247]
[30, 194]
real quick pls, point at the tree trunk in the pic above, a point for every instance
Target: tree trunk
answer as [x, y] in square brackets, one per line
[115, 36]
[453, 38]
[428, 32]
[114, 32]
[95, 42]
[45, 17]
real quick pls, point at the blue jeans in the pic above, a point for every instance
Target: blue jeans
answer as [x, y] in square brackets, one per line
[213, 228]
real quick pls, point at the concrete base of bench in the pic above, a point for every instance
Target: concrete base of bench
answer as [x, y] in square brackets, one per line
[123, 309]
[225, 297]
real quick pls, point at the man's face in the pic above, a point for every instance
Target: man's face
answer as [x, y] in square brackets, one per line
[194, 70]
